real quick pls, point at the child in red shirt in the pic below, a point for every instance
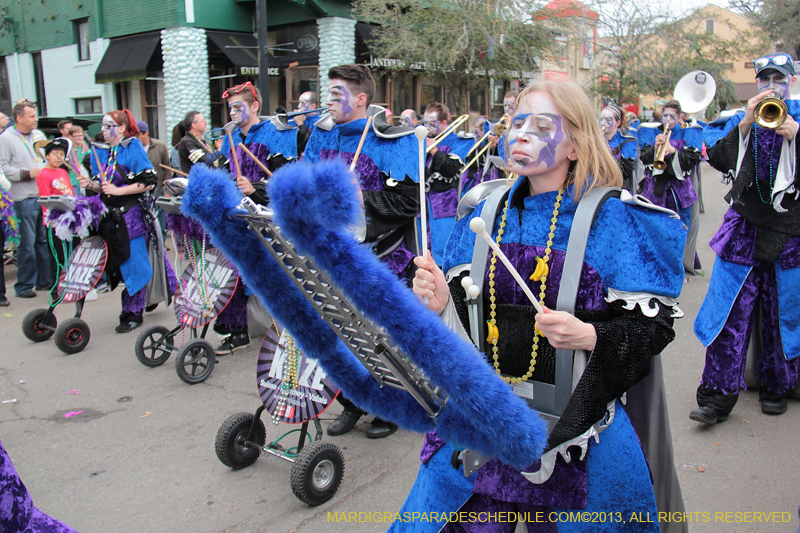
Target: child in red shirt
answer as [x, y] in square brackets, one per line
[52, 179]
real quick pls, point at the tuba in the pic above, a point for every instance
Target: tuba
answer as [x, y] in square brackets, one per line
[695, 91]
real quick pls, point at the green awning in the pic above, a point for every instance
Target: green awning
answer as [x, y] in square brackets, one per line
[128, 58]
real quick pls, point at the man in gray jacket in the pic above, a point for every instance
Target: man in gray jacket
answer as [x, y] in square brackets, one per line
[21, 163]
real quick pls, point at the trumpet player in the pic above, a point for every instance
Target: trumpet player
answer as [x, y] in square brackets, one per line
[670, 153]
[758, 252]
[623, 145]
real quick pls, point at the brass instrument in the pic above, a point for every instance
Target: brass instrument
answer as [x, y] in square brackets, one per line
[450, 129]
[498, 130]
[771, 112]
[661, 153]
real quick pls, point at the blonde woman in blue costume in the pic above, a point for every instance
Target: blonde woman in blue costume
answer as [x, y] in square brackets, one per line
[624, 311]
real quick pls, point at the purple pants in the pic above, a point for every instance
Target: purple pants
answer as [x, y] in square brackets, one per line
[233, 318]
[726, 355]
[134, 305]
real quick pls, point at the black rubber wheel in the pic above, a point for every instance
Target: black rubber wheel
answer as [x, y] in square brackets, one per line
[154, 346]
[317, 473]
[72, 336]
[230, 442]
[195, 361]
[33, 328]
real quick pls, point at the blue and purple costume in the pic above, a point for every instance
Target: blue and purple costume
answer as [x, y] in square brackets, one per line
[128, 225]
[625, 150]
[630, 280]
[758, 255]
[388, 175]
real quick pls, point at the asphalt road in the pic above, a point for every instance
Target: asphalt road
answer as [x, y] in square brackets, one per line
[140, 457]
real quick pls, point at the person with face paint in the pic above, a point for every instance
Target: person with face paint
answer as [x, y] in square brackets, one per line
[756, 272]
[627, 287]
[305, 123]
[509, 104]
[442, 167]
[388, 175]
[672, 187]
[623, 145]
[482, 170]
[273, 142]
[123, 180]
[409, 119]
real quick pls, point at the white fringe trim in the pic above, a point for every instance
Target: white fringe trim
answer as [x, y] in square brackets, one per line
[642, 299]
[582, 441]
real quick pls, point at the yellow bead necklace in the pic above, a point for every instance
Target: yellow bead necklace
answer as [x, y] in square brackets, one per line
[494, 332]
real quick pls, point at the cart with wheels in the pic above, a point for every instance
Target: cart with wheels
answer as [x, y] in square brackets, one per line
[294, 390]
[80, 272]
[204, 289]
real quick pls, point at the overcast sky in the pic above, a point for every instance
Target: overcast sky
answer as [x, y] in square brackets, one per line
[686, 6]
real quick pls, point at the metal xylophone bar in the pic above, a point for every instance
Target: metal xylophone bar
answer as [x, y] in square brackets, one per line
[365, 340]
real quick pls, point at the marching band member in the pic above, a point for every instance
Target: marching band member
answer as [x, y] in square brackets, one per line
[623, 318]
[758, 252]
[672, 187]
[124, 176]
[623, 145]
[388, 175]
[408, 118]
[442, 168]
[305, 123]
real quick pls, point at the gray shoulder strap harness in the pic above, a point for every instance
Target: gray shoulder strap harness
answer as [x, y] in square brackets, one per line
[549, 400]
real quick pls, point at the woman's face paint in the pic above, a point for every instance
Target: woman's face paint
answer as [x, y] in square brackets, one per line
[112, 132]
[239, 110]
[341, 103]
[537, 141]
[431, 122]
[669, 118]
[608, 123]
[776, 82]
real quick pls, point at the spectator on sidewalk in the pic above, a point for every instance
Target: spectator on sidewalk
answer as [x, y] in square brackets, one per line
[21, 165]
[75, 157]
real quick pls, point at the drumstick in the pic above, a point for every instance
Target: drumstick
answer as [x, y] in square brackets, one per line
[479, 226]
[99, 166]
[174, 170]
[254, 158]
[360, 144]
[233, 154]
[421, 133]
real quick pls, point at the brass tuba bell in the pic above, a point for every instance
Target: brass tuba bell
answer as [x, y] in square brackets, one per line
[771, 112]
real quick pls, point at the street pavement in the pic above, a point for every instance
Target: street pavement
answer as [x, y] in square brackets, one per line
[140, 456]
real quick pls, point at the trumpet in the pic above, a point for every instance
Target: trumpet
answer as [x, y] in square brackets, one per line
[661, 153]
[450, 129]
[771, 112]
[498, 130]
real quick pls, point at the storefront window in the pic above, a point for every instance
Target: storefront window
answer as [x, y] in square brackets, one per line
[498, 90]
[402, 92]
[477, 102]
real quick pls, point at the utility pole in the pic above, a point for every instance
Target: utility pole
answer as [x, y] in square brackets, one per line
[263, 56]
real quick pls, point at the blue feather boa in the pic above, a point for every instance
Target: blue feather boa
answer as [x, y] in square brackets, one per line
[314, 205]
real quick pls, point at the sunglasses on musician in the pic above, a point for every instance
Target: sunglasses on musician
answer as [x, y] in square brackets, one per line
[239, 88]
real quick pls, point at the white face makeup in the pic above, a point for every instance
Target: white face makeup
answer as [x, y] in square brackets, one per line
[407, 119]
[239, 110]
[431, 121]
[669, 118]
[608, 123]
[305, 103]
[508, 105]
[537, 138]
[776, 82]
[341, 102]
[112, 132]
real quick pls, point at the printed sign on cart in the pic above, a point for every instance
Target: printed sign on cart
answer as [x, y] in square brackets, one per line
[84, 271]
[315, 392]
[202, 295]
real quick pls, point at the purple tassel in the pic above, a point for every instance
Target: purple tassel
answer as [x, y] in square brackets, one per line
[88, 212]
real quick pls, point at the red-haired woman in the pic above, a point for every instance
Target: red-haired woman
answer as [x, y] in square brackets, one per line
[123, 176]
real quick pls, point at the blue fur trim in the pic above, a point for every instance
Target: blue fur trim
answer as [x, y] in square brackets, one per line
[302, 197]
[211, 199]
